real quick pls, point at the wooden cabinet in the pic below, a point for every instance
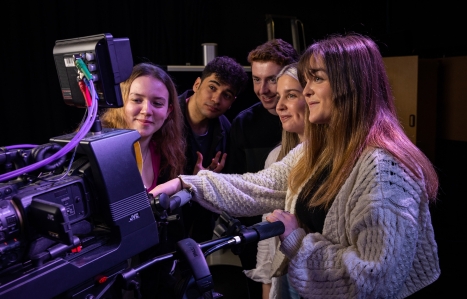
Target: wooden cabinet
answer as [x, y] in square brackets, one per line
[414, 83]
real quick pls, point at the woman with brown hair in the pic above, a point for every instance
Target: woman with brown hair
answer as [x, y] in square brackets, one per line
[151, 107]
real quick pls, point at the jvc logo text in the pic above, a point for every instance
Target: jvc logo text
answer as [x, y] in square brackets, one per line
[133, 217]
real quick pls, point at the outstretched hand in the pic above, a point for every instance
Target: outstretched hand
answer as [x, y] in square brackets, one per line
[217, 163]
[289, 220]
[170, 187]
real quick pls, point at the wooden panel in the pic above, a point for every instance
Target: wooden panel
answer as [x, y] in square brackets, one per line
[403, 77]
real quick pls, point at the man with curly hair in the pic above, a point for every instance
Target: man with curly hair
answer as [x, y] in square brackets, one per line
[207, 130]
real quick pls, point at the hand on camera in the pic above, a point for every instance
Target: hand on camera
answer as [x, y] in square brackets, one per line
[170, 188]
[289, 220]
[217, 163]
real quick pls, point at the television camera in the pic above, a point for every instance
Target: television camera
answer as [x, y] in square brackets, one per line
[78, 222]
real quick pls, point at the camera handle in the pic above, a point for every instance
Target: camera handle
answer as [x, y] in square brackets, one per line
[163, 208]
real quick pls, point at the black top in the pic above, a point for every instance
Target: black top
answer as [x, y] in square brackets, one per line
[311, 218]
[202, 143]
[254, 133]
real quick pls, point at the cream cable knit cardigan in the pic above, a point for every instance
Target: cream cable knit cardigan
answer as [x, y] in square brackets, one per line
[377, 241]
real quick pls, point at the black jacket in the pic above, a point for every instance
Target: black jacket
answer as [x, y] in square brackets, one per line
[220, 140]
[254, 133]
[199, 222]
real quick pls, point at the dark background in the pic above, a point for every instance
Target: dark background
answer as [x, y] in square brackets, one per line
[171, 33]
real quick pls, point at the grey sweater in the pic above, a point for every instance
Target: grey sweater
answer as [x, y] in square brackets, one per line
[377, 241]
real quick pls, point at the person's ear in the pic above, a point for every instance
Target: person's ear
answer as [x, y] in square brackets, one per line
[170, 109]
[197, 84]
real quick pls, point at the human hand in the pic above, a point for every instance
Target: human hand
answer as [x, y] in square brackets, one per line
[289, 220]
[217, 163]
[170, 187]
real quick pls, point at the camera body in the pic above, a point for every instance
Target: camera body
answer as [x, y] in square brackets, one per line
[73, 229]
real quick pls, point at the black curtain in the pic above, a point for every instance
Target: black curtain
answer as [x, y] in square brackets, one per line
[171, 33]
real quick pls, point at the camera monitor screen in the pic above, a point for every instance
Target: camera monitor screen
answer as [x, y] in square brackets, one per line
[101, 57]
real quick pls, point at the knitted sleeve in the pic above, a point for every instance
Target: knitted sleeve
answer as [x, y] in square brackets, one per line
[370, 236]
[247, 194]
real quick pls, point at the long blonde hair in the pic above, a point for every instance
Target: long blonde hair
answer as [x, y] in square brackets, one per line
[364, 115]
[169, 138]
